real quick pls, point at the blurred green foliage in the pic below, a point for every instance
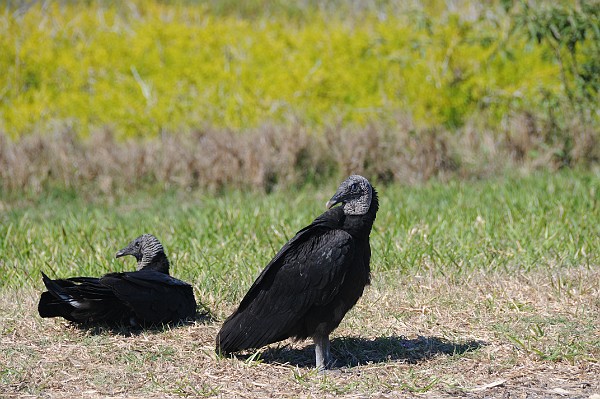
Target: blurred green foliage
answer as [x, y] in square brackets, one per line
[573, 33]
[143, 67]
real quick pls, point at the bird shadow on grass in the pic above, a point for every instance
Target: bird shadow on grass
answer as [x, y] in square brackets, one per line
[355, 351]
[126, 330]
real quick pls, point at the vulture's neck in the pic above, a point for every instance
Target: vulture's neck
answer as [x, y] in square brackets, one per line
[159, 263]
[360, 225]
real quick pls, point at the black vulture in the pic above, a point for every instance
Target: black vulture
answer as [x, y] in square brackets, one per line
[146, 296]
[318, 276]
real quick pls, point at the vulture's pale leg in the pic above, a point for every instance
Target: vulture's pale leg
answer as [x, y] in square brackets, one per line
[322, 355]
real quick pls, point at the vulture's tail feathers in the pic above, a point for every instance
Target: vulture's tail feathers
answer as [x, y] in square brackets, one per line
[57, 302]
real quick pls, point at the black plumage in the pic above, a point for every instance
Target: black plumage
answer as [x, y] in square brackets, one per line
[145, 296]
[312, 282]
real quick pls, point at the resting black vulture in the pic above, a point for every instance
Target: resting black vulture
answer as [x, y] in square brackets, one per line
[312, 282]
[146, 296]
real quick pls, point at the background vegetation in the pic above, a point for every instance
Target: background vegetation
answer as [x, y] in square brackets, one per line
[470, 83]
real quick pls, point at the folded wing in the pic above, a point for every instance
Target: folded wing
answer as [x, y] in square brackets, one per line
[306, 274]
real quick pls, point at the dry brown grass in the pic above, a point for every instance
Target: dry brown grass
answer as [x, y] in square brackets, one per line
[273, 156]
[410, 336]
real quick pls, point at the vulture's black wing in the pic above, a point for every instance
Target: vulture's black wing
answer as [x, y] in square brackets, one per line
[306, 272]
[147, 296]
[80, 299]
[152, 296]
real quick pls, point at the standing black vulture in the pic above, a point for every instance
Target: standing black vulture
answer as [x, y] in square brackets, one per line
[312, 282]
[146, 296]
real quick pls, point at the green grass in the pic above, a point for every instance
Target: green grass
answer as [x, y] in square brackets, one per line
[220, 243]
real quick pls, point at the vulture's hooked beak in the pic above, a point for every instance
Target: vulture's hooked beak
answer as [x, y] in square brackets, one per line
[122, 252]
[336, 199]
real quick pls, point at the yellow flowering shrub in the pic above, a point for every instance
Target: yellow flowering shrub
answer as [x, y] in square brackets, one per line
[149, 66]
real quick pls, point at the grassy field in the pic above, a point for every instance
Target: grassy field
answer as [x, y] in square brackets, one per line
[222, 127]
[480, 289]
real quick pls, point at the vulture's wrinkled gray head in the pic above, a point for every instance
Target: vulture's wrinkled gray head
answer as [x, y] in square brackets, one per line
[355, 193]
[145, 248]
